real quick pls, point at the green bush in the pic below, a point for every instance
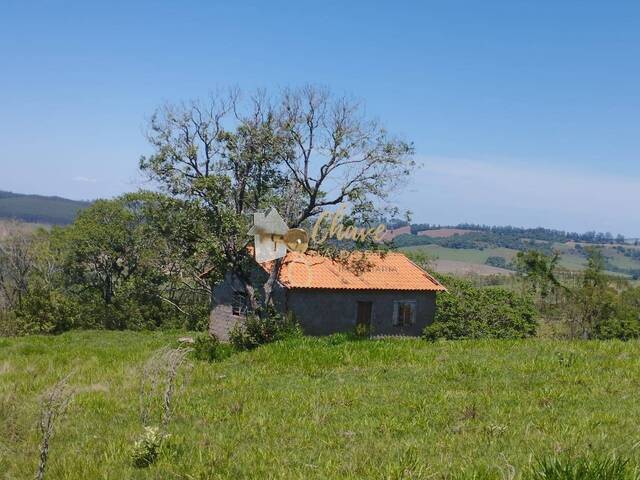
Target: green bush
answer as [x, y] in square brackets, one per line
[209, 349]
[8, 324]
[470, 312]
[43, 311]
[362, 331]
[622, 317]
[266, 327]
[497, 261]
[583, 469]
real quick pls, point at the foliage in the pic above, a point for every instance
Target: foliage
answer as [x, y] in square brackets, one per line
[603, 312]
[109, 269]
[497, 261]
[590, 304]
[362, 331]
[147, 447]
[470, 312]
[103, 248]
[539, 269]
[47, 311]
[270, 326]
[209, 349]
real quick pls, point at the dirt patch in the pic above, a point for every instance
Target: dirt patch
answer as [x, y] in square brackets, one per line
[465, 268]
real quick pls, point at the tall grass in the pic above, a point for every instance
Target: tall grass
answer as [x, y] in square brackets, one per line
[327, 408]
[596, 468]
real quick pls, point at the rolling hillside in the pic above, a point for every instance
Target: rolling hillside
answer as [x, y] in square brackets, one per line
[477, 253]
[39, 208]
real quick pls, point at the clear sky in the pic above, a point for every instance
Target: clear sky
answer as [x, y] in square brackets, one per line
[522, 112]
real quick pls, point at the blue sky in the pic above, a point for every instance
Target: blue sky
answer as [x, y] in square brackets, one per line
[523, 113]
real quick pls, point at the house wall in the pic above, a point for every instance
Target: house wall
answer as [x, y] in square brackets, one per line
[322, 312]
[221, 318]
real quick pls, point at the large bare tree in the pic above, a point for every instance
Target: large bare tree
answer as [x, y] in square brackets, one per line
[301, 150]
[16, 264]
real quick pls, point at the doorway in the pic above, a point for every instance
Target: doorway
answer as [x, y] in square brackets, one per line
[364, 315]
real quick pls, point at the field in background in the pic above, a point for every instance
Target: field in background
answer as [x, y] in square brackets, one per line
[463, 260]
[325, 408]
[463, 254]
[466, 269]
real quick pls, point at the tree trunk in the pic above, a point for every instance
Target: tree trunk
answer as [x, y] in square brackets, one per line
[273, 276]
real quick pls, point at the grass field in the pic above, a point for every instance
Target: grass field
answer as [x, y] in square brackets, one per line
[463, 254]
[325, 408]
[569, 259]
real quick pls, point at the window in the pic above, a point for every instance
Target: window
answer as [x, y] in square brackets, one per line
[404, 312]
[239, 304]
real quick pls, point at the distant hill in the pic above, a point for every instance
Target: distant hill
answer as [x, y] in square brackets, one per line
[39, 208]
[465, 247]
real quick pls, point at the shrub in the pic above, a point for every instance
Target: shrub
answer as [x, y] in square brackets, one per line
[43, 311]
[362, 331]
[583, 469]
[497, 261]
[209, 349]
[147, 447]
[470, 312]
[623, 317]
[265, 327]
[8, 324]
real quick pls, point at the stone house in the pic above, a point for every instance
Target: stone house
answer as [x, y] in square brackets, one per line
[391, 296]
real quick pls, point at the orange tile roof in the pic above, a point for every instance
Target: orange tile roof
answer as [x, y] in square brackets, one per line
[393, 271]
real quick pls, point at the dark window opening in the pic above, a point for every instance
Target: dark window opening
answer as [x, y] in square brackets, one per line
[404, 312]
[239, 306]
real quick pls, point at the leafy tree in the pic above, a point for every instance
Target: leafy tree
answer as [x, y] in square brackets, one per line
[113, 267]
[497, 261]
[102, 249]
[538, 270]
[595, 300]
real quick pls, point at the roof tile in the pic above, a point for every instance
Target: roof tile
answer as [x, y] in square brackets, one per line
[389, 271]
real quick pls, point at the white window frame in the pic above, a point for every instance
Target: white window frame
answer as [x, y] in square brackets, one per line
[400, 305]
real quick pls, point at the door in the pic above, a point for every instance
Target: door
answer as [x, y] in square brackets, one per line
[364, 314]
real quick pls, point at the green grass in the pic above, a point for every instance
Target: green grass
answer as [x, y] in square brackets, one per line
[326, 408]
[463, 255]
